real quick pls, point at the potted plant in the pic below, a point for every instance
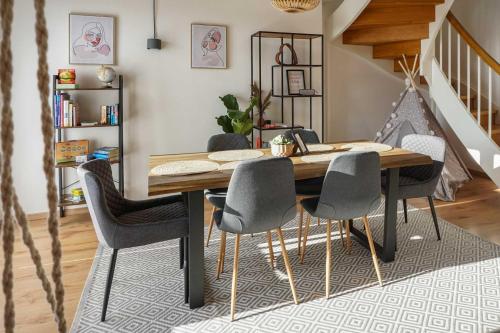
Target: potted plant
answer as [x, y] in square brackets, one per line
[282, 146]
[236, 121]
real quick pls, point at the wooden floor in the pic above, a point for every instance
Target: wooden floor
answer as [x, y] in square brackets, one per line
[477, 209]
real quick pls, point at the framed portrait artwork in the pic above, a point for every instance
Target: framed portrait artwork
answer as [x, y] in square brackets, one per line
[208, 46]
[91, 39]
[296, 81]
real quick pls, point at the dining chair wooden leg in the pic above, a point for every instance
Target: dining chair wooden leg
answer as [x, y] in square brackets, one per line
[319, 221]
[223, 254]
[341, 232]
[211, 226]
[328, 256]
[235, 275]
[222, 250]
[299, 231]
[348, 236]
[304, 239]
[270, 245]
[287, 265]
[372, 249]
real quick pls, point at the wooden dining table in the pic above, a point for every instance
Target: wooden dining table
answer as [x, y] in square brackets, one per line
[193, 186]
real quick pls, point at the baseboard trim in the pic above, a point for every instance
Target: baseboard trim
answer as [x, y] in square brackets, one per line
[67, 212]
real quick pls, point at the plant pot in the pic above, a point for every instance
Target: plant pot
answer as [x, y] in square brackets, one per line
[282, 150]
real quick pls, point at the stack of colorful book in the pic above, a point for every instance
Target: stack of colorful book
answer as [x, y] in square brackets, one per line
[109, 114]
[107, 153]
[66, 111]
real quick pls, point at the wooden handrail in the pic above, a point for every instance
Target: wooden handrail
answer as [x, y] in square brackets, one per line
[473, 44]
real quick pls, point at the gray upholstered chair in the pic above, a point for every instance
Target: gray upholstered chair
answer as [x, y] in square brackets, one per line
[421, 181]
[306, 187]
[121, 223]
[221, 142]
[260, 198]
[351, 190]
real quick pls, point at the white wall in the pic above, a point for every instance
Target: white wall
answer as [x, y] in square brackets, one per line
[169, 107]
[360, 89]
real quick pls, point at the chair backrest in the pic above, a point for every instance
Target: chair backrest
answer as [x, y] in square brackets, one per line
[103, 199]
[309, 136]
[351, 187]
[227, 141]
[433, 146]
[260, 197]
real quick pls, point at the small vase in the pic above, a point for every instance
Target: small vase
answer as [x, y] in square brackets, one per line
[282, 150]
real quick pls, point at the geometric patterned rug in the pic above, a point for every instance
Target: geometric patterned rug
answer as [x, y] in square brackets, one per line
[452, 285]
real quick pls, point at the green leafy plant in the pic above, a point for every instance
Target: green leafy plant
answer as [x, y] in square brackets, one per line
[236, 121]
[281, 140]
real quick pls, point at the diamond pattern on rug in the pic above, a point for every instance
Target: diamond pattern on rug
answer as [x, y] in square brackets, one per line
[452, 285]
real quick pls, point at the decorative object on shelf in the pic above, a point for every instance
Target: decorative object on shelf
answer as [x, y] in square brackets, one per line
[236, 121]
[282, 146]
[91, 39]
[280, 55]
[235, 155]
[262, 104]
[154, 43]
[66, 76]
[301, 145]
[77, 195]
[296, 81]
[208, 46]
[295, 6]
[66, 151]
[184, 168]
[367, 146]
[307, 92]
[106, 75]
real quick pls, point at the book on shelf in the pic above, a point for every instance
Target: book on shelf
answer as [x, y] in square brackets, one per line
[62, 86]
[66, 111]
[109, 114]
[106, 153]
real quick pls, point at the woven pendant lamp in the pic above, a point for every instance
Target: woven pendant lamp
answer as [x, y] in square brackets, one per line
[295, 6]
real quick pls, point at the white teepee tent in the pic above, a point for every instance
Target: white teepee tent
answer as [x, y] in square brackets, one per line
[412, 115]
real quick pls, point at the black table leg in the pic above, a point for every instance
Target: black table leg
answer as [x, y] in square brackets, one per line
[386, 252]
[196, 269]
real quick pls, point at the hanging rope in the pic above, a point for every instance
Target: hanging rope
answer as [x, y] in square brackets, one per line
[9, 198]
[7, 135]
[48, 158]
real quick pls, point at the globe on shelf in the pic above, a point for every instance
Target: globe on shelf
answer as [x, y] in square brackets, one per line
[106, 75]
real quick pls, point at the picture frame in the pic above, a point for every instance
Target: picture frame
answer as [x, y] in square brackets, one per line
[91, 39]
[208, 46]
[295, 80]
[300, 143]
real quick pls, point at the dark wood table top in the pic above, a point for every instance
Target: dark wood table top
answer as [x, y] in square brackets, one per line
[157, 185]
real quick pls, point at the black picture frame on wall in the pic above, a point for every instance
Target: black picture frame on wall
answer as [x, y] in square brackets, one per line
[295, 81]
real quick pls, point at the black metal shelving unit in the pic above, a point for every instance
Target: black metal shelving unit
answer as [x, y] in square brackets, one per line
[64, 199]
[288, 37]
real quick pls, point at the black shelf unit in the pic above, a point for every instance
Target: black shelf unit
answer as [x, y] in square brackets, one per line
[287, 37]
[64, 198]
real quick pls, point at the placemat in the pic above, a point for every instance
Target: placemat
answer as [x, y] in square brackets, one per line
[182, 168]
[229, 165]
[367, 146]
[319, 147]
[322, 158]
[235, 155]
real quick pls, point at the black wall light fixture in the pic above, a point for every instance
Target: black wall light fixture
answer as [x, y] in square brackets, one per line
[154, 43]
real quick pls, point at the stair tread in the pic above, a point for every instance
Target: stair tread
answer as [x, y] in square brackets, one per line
[394, 15]
[386, 34]
[396, 49]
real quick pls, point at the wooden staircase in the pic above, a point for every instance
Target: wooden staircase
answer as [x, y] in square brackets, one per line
[397, 27]
[393, 28]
